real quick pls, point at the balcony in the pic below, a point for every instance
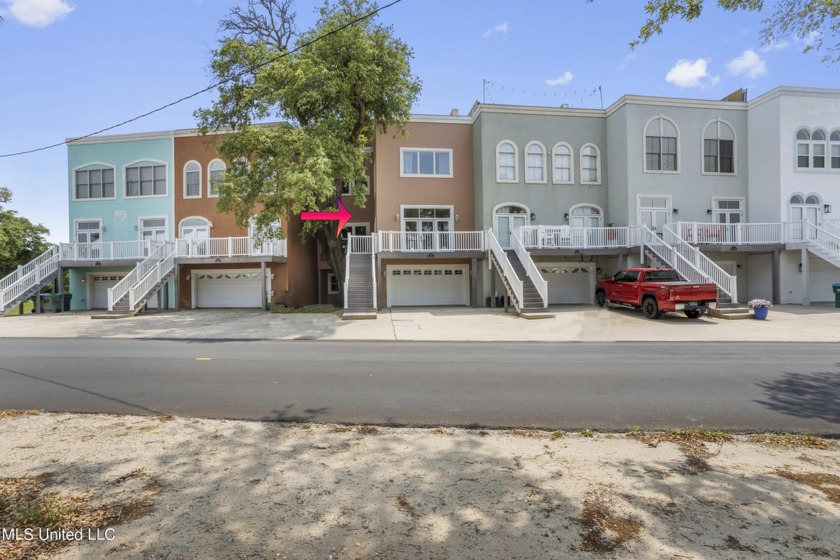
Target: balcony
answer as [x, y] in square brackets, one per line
[575, 238]
[753, 234]
[431, 242]
[105, 251]
[229, 248]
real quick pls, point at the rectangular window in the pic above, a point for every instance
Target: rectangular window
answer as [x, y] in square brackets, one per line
[95, 183]
[718, 156]
[819, 156]
[727, 156]
[145, 180]
[563, 168]
[193, 184]
[835, 156]
[803, 154]
[347, 186]
[418, 162]
[332, 283]
[660, 153]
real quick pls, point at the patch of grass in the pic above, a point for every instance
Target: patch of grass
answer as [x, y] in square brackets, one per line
[557, 434]
[367, 430]
[520, 433]
[338, 428]
[317, 308]
[793, 441]
[28, 307]
[699, 434]
[18, 413]
[587, 433]
[483, 433]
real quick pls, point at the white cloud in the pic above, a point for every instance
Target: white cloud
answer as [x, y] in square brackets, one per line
[688, 73]
[39, 13]
[561, 80]
[748, 64]
[780, 46]
[500, 29]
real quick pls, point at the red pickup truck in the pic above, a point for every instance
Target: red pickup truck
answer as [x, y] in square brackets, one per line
[655, 290]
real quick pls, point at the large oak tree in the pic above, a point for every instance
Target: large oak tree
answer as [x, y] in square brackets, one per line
[20, 240]
[346, 78]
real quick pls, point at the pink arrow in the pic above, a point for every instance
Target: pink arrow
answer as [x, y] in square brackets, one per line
[342, 215]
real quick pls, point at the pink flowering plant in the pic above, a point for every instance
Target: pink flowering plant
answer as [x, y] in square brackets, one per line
[755, 303]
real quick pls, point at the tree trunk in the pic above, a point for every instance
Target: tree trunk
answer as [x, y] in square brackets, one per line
[333, 251]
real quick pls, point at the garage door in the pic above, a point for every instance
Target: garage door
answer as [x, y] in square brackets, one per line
[428, 284]
[569, 282]
[228, 288]
[822, 274]
[99, 284]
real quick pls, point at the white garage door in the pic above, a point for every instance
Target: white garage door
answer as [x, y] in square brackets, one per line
[99, 284]
[428, 284]
[569, 282]
[227, 288]
[822, 274]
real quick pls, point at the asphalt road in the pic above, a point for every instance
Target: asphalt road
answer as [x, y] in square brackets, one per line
[607, 386]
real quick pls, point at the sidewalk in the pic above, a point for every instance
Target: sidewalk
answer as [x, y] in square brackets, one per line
[576, 323]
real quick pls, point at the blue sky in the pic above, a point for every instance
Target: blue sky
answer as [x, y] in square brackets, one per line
[71, 68]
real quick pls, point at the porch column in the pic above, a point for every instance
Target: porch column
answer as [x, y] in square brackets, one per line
[263, 290]
[58, 286]
[177, 287]
[162, 296]
[621, 263]
[806, 297]
[474, 283]
[380, 286]
[492, 288]
[775, 276]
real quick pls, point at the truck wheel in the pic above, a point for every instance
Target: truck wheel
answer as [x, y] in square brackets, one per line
[650, 308]
[601, 299]
[693, 313]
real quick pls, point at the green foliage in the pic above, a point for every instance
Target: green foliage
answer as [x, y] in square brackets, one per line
[814, 21]
[20, 240]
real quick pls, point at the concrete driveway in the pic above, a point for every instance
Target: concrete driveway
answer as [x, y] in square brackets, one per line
[786, 323]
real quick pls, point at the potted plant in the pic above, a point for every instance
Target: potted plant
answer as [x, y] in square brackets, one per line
[760, 307]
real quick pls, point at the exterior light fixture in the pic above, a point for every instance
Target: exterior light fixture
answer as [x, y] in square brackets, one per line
[533, 216]
[827, 208]
[676, 211]
[566, 216]
[397, 216]
[708, 211]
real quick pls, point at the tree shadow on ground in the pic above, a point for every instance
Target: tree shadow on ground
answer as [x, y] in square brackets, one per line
[805, 395]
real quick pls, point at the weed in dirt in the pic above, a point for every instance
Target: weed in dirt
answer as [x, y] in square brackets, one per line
[367, 430]
[820, 551]
[793, 441]
[828, 484]
[520, 433]
[404, 506]
[18, 413]
[305, 426]
[557, 434]
[695, 465]
[733, 543]
[483, 433]
[587, 433]
[606, 531]
[440, 432]
[339, 429]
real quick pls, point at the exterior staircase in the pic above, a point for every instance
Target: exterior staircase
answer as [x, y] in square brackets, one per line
[527, 298]
[128, 297]
[359, 281]
[28, 279]
[824, 242]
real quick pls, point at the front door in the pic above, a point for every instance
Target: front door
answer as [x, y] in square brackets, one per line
[89, 239]
[505, 226]
[153, 230]
[654, 212]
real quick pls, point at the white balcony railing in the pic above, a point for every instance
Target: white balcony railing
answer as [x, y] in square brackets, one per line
[431, 241]
[731, 234]
[562, 237]
[361, 244]
[701, 262]
[217, 247]
[105, 251]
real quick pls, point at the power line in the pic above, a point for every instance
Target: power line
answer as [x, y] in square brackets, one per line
[210, 87]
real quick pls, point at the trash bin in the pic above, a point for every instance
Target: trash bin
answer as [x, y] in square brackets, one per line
[836, 295]
[46, 302]
[66, 298]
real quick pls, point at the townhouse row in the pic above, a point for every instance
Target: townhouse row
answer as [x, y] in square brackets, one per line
[536, 203]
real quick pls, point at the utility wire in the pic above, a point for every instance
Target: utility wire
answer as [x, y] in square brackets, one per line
[212, 86]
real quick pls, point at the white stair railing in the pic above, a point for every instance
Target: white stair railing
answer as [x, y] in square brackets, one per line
[823, 243]
[373, 267]
[667, 254]
[507, 271]
[123, 287]
[347, 269]
[530, 268]
[154, 277]
[724, 281]
[832, 227]
[27, 277]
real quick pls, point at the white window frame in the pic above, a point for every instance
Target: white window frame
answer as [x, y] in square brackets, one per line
[94, 166]
[600, 214]
[330, 277]
[554, 167]
[145, 163]
[348, 186]
[832, 143]
[210, 177]
[597, 180]
[668, 210]
[515, 162]
[742, 210]
[824, 145]
[718, 123]
[101, 229]
[276, 226]
[202, 218]
[140, 227]
[678, 156]
[542, 167]
[200, 185]
[405, 207]
[447, 151]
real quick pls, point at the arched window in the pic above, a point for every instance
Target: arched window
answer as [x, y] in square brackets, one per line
[563, 172]
[506, 162]
[834, 145]
[811, 149]
[718, 148]
[194, 227]
[586, 215]
[661, 145]
[215, 173]
[590, 165]
[534, 163]
[192, 180]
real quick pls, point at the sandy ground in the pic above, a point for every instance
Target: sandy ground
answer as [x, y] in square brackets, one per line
[195, 488]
